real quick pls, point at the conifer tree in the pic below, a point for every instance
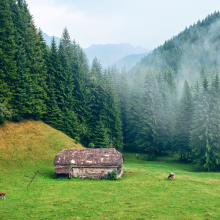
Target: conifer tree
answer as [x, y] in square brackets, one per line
[123, 92]
[112, 112]
[148, 137]
[135, 109]
[82, 79]
[205, 129]
[23, 86]
[184, 119]
[22, 101]
[30, 41]
[7, 51]
[101, 138]
[53, 115]
[65, 99]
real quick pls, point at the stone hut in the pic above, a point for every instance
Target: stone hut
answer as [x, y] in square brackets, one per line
[88, 163]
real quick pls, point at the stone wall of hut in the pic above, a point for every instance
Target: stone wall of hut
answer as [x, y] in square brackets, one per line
[91, 172]
[119, 171]
[86, 172]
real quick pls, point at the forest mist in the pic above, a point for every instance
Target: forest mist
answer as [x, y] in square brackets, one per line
[173, 104]
[167, 104]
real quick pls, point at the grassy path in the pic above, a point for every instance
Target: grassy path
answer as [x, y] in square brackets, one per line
[143, 193]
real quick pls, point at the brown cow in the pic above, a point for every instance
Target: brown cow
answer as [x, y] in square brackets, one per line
[3, 195]
[172, 176]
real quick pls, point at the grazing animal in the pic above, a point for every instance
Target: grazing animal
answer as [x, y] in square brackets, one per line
[172, 176]
[3, 195]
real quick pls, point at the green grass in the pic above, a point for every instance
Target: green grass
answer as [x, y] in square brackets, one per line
[144, 192]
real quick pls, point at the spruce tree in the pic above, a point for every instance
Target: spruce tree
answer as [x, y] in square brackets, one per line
[23, 88]
[101, 139]
[112, 112]
[53, 115]
[205, 129]
[65, 99]
[135, 109]
[35, 63]
[7, 51]
[184, 120]
[149, 138]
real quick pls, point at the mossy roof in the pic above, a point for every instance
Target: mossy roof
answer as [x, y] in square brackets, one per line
[89, 157]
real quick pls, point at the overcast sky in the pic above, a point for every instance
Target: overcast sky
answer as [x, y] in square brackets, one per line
[147, 23]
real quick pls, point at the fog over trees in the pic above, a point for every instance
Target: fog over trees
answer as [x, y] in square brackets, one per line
[167, 104]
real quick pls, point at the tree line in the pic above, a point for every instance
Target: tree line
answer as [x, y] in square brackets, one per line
[54, 83]
[170, 100]
[159, 121]
[142, 110]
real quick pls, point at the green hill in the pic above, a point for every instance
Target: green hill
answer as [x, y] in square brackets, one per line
[27, 144]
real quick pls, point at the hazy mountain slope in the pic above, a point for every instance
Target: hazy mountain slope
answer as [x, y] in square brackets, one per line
[130, 60]
[190, 55]
[110, 53]
[48, 39]
[31, 141]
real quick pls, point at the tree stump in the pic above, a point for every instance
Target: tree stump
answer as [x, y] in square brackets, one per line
[171, 176]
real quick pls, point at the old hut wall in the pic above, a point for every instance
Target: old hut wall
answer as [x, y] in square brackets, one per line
[92, 172]
[88, 163]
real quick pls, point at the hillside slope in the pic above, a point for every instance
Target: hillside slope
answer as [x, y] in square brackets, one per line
[130, 60]
[29, 142]
[191, 55]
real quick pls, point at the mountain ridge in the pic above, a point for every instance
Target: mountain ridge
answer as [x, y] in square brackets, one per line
[110, 53]
[191, 54]
[130, 60]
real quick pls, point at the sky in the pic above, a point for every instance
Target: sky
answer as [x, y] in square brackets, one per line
[147, 23]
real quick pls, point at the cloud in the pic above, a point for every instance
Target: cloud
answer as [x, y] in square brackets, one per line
[140, 22]
[84, 28]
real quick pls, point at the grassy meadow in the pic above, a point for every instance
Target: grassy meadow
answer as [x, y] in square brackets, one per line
[144, 192]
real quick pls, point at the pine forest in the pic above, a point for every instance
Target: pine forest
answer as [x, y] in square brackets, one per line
[167, 104]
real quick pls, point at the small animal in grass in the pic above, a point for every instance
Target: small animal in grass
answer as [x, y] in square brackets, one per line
[172, 176]
[3, 195]
[137, 156]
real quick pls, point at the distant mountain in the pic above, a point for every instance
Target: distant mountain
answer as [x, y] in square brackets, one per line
[111, 53]
[130, 60]
[48, 39]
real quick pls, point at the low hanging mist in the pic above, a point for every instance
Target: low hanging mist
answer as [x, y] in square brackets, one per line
[170, 100]
[166, 104]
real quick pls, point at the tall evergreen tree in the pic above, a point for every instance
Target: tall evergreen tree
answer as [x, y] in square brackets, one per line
[7, 51]
[205, 132]
[184, 119]
[53, 115]
[101, 138]
[66, 100]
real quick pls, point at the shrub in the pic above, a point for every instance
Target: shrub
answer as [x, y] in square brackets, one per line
[91, 145]
[4, 112]
[112, 175]
[77, 139]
